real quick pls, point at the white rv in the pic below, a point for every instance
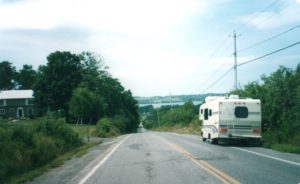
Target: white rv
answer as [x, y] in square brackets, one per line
[226, 118]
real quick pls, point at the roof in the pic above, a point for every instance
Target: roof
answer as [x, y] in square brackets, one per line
[16, 94]
[231, 98]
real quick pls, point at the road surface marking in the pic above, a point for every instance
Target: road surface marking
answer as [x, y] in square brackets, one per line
[267, 156]
[83, 180]
[206, 166]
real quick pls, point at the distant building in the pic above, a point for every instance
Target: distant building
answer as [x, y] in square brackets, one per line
[17, 104]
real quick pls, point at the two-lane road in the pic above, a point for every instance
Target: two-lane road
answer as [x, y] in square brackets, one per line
[154, 158]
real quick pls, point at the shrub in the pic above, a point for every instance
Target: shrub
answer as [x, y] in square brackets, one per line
[26, 147]
[106, 127]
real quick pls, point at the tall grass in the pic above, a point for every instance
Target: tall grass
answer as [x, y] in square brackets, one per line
[26, 146]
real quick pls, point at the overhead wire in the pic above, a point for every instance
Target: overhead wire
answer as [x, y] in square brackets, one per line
[270, 38]
[216, 81]
[276, 51]
[254, 45]
[249, 61]
[257, 14]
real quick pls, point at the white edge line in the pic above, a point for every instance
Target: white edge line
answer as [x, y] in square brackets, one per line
[267, 156]
[83, 180]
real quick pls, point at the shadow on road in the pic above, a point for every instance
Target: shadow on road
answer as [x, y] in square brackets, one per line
[240, 143]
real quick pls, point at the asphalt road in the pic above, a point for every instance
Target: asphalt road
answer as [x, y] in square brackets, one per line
[154, 158]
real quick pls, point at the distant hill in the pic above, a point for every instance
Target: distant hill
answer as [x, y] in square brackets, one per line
[173, 98]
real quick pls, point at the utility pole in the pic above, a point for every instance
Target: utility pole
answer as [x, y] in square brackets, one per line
[171, 101]
[158, 117]
[235, 61]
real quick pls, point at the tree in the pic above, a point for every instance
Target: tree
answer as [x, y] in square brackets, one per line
[86, 105]
[280, 98]
[26, 77]
[57, 80]
[7, 75]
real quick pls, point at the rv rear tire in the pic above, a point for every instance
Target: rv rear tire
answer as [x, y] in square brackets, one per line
[203, 139]
[213, 141]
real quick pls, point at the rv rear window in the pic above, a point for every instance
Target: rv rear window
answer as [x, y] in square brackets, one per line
[205, 114]
[241, 112]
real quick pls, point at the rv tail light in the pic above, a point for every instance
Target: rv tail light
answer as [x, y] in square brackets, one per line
[223, 130]
[256, 130]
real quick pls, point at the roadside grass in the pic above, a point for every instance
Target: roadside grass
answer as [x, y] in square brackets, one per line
[76, 153]
[82, 130]
[286, 148]
[190, 129]
[291, 147]
[28, 136]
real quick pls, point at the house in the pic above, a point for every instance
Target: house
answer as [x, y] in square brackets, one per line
[17, 104]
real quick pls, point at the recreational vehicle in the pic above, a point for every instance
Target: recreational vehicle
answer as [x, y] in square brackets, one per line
[226, 118]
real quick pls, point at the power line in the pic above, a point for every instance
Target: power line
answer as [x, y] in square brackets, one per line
[279, 50]
[219, 47]
[257, 14]
[216, 81]
[270, 38]
[214, 53]
[252, 60]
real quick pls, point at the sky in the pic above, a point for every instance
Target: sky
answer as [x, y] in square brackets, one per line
[156, 47]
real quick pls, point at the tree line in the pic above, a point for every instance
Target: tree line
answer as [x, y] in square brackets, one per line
[168, 116]
[280, 98]
[76, 85]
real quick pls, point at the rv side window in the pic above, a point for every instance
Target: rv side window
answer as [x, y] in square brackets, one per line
[241, 112]
[210, 112]
[201, 111]
[205, 114]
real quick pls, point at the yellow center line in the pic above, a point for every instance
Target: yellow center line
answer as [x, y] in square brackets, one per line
[206, 166]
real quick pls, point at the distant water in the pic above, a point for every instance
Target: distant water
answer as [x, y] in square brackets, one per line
[158, 105]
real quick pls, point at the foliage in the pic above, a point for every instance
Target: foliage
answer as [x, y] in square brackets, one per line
[166, 116]
[280, 97]
[107, 127]
[7, 74]
[26, 77]
[81, 86]
[86, 105]
[26, 147]
[57, 80]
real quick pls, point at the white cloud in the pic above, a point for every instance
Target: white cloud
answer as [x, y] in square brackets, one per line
[273, 19]
[133, 17]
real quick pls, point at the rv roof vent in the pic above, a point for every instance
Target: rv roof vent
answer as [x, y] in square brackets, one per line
[234, 97]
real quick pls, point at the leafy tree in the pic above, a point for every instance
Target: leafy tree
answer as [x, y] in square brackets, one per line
[86, 105]
[26, 77]
[57, 80]
[7, 75]
[280, 97]
[120, 102]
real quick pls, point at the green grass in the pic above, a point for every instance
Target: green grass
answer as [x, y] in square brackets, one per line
[286, 148]
[29, 176]
[190, 129]
[82, 130]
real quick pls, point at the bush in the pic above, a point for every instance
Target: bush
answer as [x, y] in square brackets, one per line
[106, 127]
[26, 147]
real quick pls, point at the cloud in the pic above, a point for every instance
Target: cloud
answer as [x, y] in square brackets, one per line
[273, 19]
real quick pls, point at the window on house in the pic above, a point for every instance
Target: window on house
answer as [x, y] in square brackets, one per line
[29, 101]
[1, 102]
[241, 112]
[2, 111]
